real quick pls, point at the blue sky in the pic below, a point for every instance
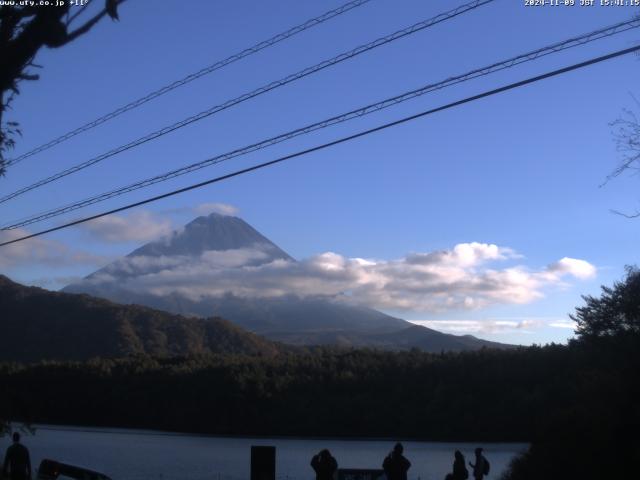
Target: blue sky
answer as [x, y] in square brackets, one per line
[521, 170]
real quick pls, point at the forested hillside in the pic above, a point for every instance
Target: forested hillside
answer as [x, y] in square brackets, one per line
[38, 324]
[487, 395]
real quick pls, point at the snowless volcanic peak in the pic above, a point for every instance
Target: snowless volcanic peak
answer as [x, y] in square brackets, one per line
[200, 271]
[213, 232]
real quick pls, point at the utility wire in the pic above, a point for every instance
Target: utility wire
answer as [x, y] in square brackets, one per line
[511, 62]
[259, 91]
[193, 76]
[473, 98]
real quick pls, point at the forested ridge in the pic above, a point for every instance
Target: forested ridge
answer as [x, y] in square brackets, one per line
[487, 395]
[39, 324]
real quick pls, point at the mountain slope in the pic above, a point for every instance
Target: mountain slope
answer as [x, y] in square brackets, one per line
[233, 243]
[37, 324]
[262, 315]
[215, 233]
[415, 336]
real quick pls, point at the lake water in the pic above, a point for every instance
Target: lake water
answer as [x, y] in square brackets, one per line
[142, 455]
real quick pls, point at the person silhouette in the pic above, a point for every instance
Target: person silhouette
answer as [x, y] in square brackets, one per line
[481, 467]
[324, 465]
[395, 464]
[17, 464]
[460, 471]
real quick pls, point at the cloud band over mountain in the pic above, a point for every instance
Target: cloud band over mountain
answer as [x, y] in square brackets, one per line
[467, 276]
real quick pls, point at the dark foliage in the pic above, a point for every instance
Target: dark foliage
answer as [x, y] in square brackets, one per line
[24, 30]
[596, 435]
[530, 393]
[616, 311]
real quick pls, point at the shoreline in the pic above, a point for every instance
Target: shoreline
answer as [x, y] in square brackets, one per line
[164, 433]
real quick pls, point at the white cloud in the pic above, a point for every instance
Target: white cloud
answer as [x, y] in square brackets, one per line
[140, 226]
[145, 226]
[489, 326]
[221, 208]
[497, 325]
[41, 251]
[54, 283]
[456, 279]
[564, 324]
[206, 209]
[578, 268]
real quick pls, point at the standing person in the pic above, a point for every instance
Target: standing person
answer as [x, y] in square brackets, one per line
[481, 467]
[395, 464]
[17, 464]
[460, 471]
[324, 465]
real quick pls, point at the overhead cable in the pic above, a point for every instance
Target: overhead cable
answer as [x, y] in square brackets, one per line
[254, 93]
[368, 109]
[191, 77]
[385, 126]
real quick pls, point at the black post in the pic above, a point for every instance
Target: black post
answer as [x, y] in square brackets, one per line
[263, 463]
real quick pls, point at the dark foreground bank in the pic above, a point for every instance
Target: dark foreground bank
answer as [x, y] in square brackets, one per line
[136, 454]
[578, 404]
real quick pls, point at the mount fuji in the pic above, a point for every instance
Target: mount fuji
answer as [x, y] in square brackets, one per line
[203, 271]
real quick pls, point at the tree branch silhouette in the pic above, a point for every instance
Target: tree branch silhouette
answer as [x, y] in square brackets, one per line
[626, 134]
[24, 30]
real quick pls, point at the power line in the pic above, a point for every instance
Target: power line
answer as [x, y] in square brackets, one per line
[259, 91]
[511, 62]
[193, 76]
[479, 96]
